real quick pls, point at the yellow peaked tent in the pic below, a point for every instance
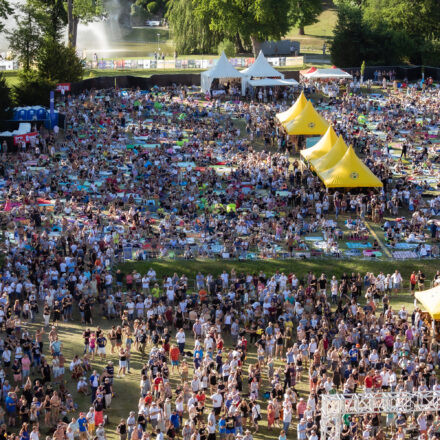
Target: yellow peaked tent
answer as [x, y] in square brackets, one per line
[323, 146]
[307, 123]
[293, 111]
[349, 172]
[430, 300]
[330, 159]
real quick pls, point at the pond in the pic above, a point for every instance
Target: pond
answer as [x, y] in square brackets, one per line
[110, 42]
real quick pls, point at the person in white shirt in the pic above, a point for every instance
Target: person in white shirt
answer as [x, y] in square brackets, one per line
[217, 402]
[396, 279]
[181, 339]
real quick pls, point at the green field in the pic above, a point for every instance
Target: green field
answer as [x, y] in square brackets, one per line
[329, 266]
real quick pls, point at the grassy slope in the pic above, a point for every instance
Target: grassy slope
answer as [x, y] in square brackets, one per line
[329, 266]
[316, 34]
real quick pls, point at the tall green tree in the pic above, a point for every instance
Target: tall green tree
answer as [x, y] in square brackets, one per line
[418, 18]
[254, 20]
[357, 40]
[25, 38]
[84, 11]
[5, 102]
[304, 13]
[52, 17]
[191, 32]
[5, 12]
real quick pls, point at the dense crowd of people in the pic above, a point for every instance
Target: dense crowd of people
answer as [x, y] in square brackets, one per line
[138, 174]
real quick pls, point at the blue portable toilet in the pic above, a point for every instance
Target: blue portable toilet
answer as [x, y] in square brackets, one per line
[41, 114]
[21, 114]
[31, 114]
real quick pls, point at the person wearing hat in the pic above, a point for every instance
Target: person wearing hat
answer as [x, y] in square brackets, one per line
[82, 426]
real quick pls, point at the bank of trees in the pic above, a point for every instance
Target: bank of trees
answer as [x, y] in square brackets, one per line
[387, 32]
[198, 26]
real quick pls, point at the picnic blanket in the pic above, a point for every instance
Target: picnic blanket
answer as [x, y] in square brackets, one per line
[404, 255]
[357, 245]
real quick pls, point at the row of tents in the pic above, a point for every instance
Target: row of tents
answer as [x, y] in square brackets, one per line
[259, 74]
[336, 164]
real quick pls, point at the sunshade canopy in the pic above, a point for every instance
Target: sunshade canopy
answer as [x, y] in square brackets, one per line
[307, 123]
[331, 158]
[293, 111]
[322, 147]
[349, 172]
[430, 300]
[333, 72]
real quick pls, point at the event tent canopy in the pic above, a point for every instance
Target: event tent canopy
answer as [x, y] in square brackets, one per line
[349, 172]
[293, 111]
[307, 123]
[221, 70]
[430, 300]
[322, 147]
[332, 73]
[330, 159]
[261, 69]
[266, 82]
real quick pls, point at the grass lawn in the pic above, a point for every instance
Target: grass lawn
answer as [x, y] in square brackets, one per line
[318, 33]
[329, 266]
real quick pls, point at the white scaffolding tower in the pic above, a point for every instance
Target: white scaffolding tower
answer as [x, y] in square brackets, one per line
[335, 406]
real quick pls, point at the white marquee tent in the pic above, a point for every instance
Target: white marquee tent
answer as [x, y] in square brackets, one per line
[331, 73]
[261, 69]
[222, 69]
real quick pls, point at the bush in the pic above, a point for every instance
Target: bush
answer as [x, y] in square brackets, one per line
[228, 47]
[5, 102]
[32, 89]
[59, 63]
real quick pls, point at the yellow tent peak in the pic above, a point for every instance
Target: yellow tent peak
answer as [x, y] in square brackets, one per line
[293, 111]
[430, 300]
[331, 158]
[349, 172]
[323, 146]
[308, 122]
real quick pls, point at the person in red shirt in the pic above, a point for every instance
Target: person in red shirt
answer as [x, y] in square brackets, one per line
[158, 380]
[200, 396]
[368, 382]
[413, 282]
[377, 380]
[148, 398]
[174, 356]
[220, 343]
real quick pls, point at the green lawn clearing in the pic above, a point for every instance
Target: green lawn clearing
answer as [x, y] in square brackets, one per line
[329, 266]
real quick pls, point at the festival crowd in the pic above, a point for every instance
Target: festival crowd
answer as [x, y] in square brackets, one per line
[140, 174]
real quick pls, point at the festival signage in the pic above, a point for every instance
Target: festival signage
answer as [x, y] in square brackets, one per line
[63, 87]
[25, 137]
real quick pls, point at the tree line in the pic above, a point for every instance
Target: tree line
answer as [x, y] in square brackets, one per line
[199, 26]
[387, 32]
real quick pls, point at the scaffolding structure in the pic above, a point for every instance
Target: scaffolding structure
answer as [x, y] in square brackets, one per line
[335, 406]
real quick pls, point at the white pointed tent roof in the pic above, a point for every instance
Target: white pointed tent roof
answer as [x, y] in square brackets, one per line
[261, 69]
[221, 69]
